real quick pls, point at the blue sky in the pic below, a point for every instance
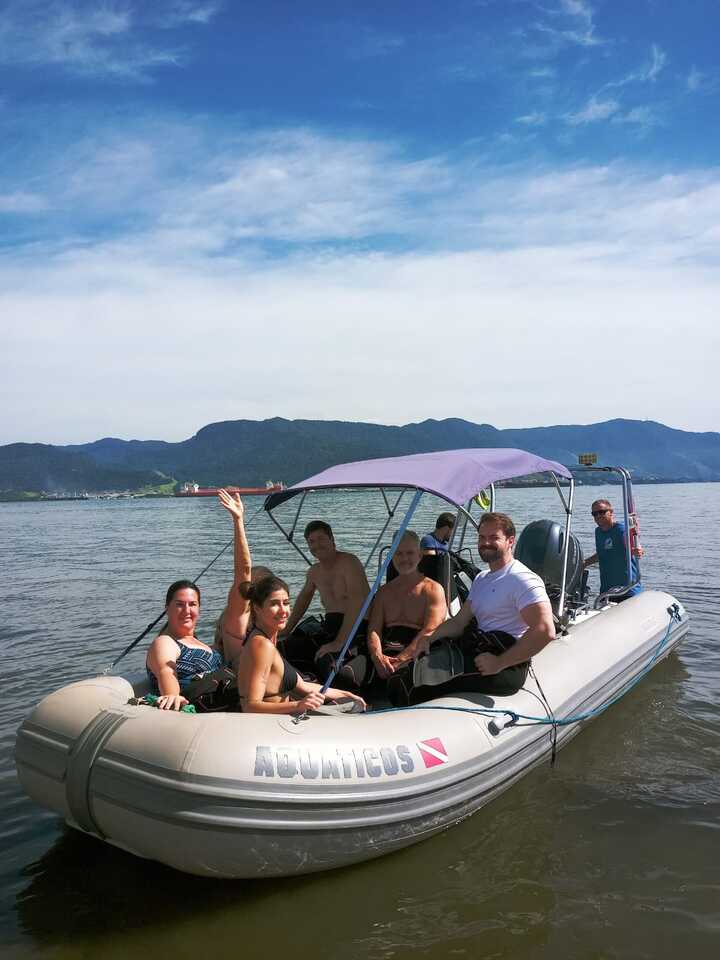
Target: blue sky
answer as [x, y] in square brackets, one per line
[504, 210]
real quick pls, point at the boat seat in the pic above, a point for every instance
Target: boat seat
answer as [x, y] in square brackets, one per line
[435, 566]
[540, 547]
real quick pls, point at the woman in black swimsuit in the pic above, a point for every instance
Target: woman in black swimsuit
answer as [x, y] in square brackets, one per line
[265, 679]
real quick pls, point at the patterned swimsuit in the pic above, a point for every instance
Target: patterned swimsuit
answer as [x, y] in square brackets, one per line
[190, 662]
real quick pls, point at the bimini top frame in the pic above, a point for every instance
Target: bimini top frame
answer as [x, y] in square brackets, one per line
[455, 476]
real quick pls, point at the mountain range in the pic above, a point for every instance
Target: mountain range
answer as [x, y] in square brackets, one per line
[249, 452]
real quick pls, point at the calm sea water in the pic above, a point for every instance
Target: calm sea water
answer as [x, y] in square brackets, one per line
[614, 853]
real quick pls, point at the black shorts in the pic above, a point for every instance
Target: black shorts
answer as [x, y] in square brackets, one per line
[311, 634]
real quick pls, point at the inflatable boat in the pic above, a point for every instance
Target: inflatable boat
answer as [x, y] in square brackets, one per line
[248, 795]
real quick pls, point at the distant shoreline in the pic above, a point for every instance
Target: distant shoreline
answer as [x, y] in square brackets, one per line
[30, 497]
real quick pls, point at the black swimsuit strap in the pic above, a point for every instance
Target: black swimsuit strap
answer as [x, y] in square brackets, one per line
[290, 675]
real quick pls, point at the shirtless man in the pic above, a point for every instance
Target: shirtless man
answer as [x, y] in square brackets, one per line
[405, 611]
[340, 579]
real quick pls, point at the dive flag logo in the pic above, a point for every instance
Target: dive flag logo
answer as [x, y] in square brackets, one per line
[433, 752]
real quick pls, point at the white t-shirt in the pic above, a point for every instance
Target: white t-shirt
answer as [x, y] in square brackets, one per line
[498, 597]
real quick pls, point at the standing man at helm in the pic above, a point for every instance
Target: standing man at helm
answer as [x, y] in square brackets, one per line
[611, 552]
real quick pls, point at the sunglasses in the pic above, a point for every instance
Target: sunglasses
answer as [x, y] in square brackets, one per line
[599, 513]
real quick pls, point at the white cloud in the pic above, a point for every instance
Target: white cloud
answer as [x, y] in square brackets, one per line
[648, 73]
[195, 193]
[601, 106]
[185, 347]
[701, 82]
[521, 265]
[643, 117]
[656, 65]
[694, 79]
[288, 186]
[570, 23]
[94, 39]
[175, 13]
[21, 202]
[593, 111]
[374, 44]
[535, 119]
[463, 72]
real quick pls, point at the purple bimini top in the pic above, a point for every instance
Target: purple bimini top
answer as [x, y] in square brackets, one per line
[454, 475]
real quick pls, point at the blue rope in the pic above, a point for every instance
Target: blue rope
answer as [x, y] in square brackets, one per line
[674, 612]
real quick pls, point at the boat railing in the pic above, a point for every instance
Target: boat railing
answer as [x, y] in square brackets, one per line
[614, 593]
[631, 533]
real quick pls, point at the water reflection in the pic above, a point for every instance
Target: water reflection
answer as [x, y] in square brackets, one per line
[449, 890]
[613, 854]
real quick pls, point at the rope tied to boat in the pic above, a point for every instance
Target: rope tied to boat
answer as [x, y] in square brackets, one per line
[149, 627]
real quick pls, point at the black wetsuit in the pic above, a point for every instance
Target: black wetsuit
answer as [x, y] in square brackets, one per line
[303, 643]
[473, 642]
[394, 640]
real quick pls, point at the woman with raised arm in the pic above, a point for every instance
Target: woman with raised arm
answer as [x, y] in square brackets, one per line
[233, 623]
[176, 655]
[265, 678]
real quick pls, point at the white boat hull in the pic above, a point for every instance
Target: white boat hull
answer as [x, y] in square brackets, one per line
[245, 795]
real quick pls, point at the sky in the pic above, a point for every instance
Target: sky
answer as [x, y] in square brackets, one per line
[501, 210]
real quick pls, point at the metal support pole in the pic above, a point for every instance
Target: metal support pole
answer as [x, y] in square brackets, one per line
[292, 543]
[391, 514]
[291, 535]
[566, 543]
[374, 589]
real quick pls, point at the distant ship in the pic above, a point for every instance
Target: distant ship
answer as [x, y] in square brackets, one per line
[194, 490]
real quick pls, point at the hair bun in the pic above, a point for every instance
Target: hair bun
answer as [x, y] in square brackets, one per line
[258, 592]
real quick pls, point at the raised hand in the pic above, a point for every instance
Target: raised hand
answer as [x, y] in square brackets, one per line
[232, 503]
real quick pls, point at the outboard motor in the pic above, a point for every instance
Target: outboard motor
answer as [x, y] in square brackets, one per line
[540, 547]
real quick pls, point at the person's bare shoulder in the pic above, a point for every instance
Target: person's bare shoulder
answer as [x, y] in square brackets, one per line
[352, 569]
[384, 590]
[433, 589]
[350, 560]
[164, 640]
[392, 587]
[258, 644]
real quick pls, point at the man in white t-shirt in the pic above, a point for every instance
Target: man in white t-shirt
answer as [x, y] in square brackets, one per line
[507, 597]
